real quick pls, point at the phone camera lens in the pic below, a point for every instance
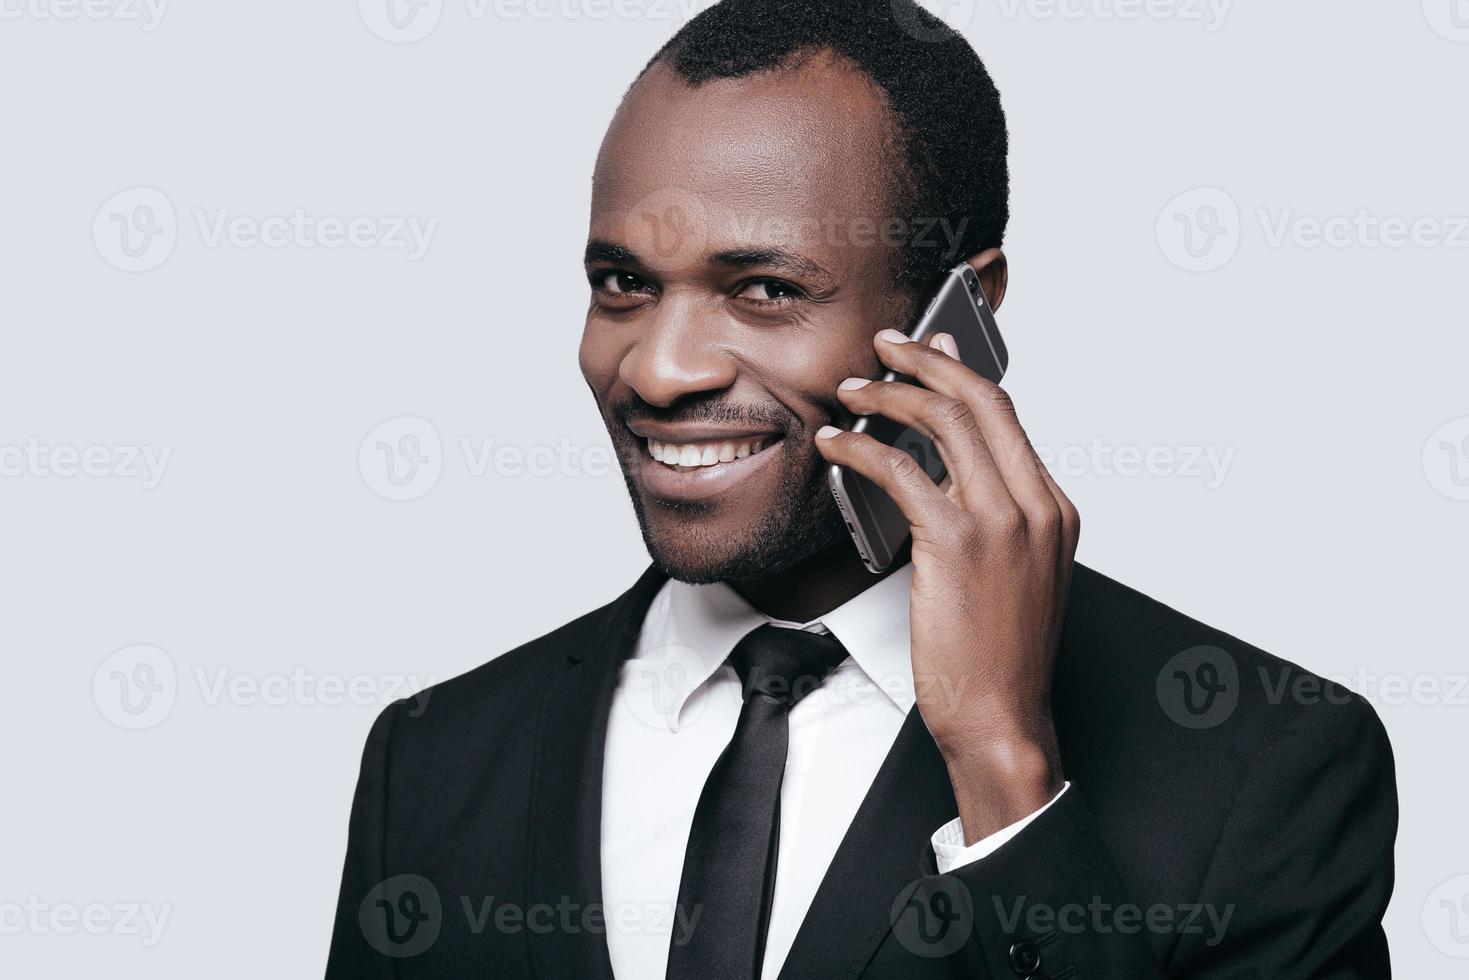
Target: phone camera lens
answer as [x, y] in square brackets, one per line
[973, 285]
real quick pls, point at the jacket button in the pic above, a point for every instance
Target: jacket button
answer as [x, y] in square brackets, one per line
[1025, 958]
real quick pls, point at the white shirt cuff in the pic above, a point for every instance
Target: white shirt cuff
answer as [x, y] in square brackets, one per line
[948, 840]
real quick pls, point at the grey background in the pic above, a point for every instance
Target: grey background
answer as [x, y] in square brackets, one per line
[266, 567]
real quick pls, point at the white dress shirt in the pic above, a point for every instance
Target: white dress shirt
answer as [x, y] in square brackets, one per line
[675, 709]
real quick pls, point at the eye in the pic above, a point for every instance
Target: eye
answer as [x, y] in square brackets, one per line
[615, 282]
[769, 291]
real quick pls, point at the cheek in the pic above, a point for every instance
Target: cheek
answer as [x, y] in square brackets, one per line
[806, 371]
[599, 356]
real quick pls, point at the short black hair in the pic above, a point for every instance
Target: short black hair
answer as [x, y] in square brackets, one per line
[950, 126]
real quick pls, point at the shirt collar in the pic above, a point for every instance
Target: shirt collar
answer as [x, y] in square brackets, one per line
[702, 623]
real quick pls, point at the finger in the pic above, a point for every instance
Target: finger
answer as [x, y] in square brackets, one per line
[894, 471]
[1065, 546]
[947, 421]
[1009, 447]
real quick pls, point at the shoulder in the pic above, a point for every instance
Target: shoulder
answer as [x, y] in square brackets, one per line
[1163, 717]
[1121, 648]
[498, 702]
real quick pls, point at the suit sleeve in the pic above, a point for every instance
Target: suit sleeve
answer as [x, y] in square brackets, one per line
[1295, 889]
[1306, 859]
[352, 957]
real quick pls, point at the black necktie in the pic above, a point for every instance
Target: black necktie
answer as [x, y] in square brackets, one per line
[729, 866]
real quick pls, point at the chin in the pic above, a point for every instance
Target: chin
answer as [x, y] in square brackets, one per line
[771, 527]
[701, 551]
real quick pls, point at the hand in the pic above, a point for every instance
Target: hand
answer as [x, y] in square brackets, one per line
[992, 556]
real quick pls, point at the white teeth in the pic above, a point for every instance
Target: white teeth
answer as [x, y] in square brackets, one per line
[704, 454]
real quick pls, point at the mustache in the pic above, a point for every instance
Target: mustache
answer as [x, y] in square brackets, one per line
[630, 410]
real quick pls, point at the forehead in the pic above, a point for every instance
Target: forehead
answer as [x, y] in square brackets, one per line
[796, 157]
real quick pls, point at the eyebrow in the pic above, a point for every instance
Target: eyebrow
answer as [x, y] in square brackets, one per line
[780, 258]
[601, 250]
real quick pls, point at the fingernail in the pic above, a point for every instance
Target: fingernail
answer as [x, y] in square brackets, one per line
[827, 431]
[950, 345]
[852, 384]
[894, 336]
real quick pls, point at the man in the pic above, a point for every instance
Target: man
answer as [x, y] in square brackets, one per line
[762, 761]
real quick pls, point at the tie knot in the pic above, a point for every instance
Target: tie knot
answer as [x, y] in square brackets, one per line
[784, 664]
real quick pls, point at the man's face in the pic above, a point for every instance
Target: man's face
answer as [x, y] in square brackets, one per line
[741, 258]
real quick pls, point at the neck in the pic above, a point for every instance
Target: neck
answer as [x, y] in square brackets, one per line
[816, 586]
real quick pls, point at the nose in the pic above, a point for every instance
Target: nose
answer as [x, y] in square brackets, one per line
[678, 354]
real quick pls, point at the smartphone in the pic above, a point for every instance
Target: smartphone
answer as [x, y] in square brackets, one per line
[958, 308]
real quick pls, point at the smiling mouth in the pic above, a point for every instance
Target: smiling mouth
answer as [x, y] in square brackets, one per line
[689, 456]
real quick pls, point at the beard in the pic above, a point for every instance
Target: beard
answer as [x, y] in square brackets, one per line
[688, 541]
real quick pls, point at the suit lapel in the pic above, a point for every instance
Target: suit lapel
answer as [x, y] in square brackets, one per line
[885, 849]
[566, 799]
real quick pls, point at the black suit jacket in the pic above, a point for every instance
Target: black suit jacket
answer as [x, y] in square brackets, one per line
[1230, 815]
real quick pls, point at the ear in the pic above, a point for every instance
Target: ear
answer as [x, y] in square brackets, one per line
[993, 270]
